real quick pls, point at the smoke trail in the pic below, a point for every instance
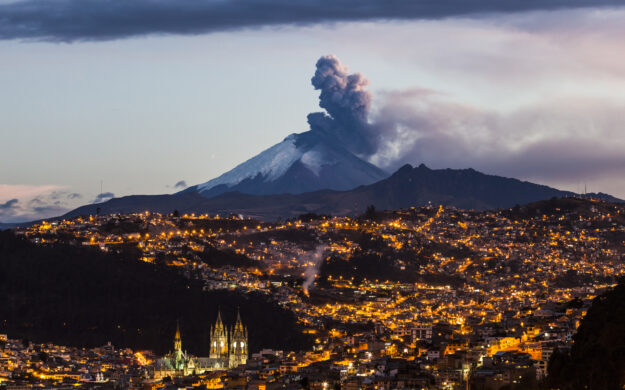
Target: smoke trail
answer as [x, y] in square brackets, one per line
[311, 272]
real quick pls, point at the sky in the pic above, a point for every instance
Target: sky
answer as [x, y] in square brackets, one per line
[102, 99]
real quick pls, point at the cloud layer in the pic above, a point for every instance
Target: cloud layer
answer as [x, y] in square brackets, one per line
[72, 20]
[571, 140]
[9, 205]
[20, 203]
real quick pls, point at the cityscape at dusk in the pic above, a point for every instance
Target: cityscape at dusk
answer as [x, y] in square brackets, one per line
[263, 194]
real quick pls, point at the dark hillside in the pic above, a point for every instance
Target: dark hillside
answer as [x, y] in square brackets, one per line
[597, 358]
[79, 296]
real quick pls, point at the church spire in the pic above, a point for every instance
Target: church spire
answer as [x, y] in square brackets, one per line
[177, 338]
[219, 339]
[219, 324]
[238, 326]
[238, 343]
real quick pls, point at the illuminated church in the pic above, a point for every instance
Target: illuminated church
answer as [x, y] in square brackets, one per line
[228, 349]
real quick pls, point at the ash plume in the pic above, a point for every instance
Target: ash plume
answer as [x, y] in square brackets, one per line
[347, 104]
[419, 125]
[311, 272]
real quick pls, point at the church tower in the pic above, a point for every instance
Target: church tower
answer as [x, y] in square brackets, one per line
[219, 340]
[179, 357]
[177, 339]
[238, 343]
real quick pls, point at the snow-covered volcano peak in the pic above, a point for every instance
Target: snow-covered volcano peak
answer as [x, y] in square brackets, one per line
[300, 163]
[270, 163]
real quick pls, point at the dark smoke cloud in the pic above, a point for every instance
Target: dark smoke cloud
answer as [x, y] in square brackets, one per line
[103, 197]
[343, 95]
[74, 20]
[345, 99]
[181, 184]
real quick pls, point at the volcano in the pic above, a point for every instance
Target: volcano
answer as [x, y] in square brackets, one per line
[301, 163]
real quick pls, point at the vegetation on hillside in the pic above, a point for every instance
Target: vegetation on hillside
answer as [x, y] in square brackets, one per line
[81, 296]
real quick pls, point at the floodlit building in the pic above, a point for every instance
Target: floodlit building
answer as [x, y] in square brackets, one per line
[228, 349]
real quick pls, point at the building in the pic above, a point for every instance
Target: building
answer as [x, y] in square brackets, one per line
[219, 343]
[238, 344]
[421, 332]
[228, 349]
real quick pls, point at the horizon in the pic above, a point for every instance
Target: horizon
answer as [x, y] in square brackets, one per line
[571, 195]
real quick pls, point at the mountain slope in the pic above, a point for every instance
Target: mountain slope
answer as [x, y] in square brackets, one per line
[464, 188]
[301, 163]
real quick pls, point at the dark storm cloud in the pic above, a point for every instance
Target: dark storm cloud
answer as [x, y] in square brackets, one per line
[71, 20]
[103, 197]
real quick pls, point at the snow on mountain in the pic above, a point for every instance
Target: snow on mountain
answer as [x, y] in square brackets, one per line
[271, 164]
[300, 163]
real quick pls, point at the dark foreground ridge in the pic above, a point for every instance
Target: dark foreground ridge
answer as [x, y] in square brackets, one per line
[597, 358]
[462, 188]
[83, 297]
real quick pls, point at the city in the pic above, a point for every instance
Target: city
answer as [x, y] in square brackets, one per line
[437, 298]
[312, 195]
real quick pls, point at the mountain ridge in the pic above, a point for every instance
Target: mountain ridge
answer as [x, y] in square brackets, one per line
[407, 187]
